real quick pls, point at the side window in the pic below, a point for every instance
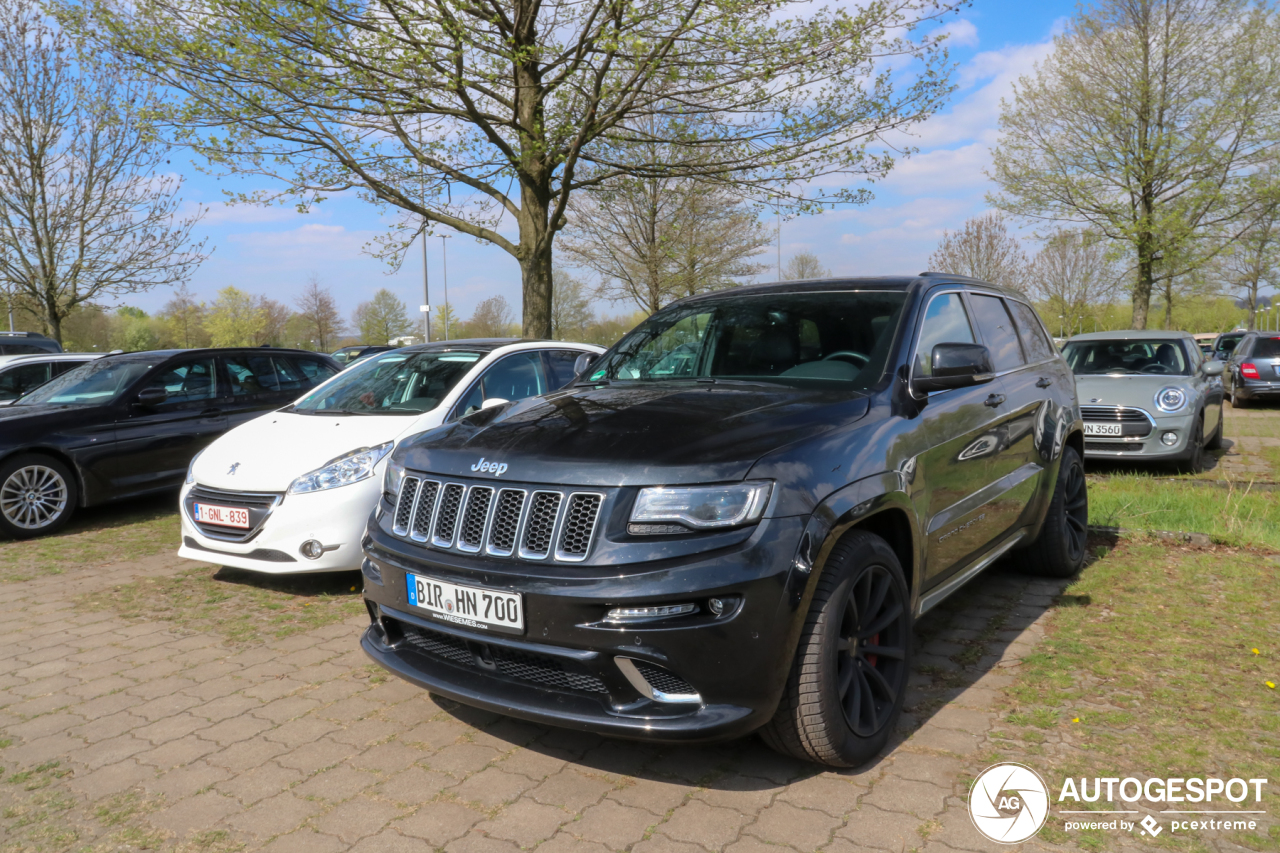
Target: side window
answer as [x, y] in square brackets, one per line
[251, 374]
[18, 381]
[513, 378]
[945, 322]
[560, 367]
[288, 374]
[315, 371]
[61, 367]
[997, 331]
[1038, 347]
[187, 382]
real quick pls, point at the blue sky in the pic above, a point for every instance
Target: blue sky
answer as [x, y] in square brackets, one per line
[274, 251]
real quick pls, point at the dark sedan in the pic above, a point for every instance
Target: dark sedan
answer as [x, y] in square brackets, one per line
[1254, 370]
[130, 424]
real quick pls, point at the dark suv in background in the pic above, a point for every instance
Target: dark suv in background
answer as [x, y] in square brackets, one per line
[1253, 373]
[129, 424]
[732, 518]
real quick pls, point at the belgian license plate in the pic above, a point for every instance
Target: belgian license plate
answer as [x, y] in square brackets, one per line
[466, 605]
[1102, 429]
[226, 516]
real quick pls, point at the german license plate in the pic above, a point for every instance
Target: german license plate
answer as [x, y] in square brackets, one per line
[226, 516]
[1102, 429]
[467, 605]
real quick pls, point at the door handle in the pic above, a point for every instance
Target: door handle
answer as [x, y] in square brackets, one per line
[994, 400]
[1044, 382]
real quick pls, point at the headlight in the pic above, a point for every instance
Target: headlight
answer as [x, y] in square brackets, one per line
[347, 469]
[702, 507]
[191, 469]
[1170, 399]
[392, 479]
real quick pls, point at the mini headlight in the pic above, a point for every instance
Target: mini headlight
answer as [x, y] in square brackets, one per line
[347, 469]
[191, 468]
[1170, 399]
[702, 507]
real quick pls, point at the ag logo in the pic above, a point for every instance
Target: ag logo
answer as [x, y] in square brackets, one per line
[1009, 803]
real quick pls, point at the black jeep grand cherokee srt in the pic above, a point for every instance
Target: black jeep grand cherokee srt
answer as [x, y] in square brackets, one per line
[730, 520]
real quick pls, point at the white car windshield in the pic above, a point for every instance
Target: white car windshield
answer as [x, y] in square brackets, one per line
[392, 383]
[90, 384]
[1121, 357]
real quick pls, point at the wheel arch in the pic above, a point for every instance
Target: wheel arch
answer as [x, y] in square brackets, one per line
[61, 456]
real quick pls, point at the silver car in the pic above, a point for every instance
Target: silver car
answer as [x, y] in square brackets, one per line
[1147, 396]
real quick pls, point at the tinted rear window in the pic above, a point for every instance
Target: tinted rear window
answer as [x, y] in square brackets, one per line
[1266, 348]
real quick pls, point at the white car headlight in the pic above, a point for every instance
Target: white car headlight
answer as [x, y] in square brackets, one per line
[702, 507]
[191, 468]
[1170, 399]
[346, 469]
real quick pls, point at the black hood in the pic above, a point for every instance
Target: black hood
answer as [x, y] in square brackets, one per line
[21, 425]
[624, 435]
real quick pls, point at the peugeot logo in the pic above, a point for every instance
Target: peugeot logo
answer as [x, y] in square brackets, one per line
[1095, 399]
[495, 468]
[231, 472]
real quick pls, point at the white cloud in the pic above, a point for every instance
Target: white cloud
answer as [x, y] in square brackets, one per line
[959, 33]
[221, 213]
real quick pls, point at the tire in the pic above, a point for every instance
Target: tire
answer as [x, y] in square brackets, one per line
[38, 495]
[841, 700]
[1238, 402]
[1194, 463]
[1058, 552]
[1215, 443]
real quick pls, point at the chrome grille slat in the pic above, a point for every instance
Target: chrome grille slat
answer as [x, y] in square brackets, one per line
[539, 529]
[424, 510]
[475, 518]
[445, 527]
[508, 511]
[582, 511]
[1123, 414]
[404, 505]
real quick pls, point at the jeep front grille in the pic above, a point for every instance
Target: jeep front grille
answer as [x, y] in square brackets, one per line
[503, 522]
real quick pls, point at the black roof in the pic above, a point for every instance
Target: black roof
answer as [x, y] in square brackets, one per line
[885, 282]
[169, 353]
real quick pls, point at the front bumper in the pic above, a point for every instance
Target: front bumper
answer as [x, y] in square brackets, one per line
[336, 518]
[1148, 448]
[726, 671]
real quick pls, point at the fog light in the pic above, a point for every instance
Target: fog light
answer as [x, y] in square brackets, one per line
[1169, 439]
[645, 614]
[716, 606]
[312, 550]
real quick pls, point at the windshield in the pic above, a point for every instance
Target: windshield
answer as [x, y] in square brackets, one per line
[391, 383]
[794, 338]
[1121, 357]
[89, 384]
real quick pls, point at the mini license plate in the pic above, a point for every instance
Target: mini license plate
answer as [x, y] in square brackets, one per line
[226, 516]
[467, 605]
[1102, 429]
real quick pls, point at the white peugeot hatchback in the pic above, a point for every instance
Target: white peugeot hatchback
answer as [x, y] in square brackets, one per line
[291, 491]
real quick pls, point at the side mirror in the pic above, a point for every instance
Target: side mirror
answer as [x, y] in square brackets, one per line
[583, 362]
[1213, 368]
[493, 401]
[151, 397]
[956, 366]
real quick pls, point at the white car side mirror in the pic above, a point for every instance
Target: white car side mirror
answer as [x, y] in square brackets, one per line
[493, 401]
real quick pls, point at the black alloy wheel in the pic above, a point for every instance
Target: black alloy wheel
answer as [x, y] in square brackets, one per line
[849, 676]
[1059, 550]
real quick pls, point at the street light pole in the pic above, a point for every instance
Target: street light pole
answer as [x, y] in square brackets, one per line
[426, 292]
[444, 260]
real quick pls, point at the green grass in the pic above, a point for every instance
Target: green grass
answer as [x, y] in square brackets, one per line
[96, 536]
[1152, 672]
[242, 606]
[1236, 515]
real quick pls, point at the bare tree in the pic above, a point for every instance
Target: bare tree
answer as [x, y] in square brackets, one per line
[459, 115]
[84, 210]
[493, 318]
[571, 310]
[275, 320]
[382, 318]
[319, 320]
[984, 249]
[803, 266]
[714, 237]
[1146, 124]
[1073, 273]
[182, 319]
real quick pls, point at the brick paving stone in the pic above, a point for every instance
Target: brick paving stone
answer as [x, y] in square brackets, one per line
[159, 709]
[303, 730]
[110, 751]
[474, 842]
[306, 840]
[228, 707]
[357, 818]
[176, 753]
[462, 758]
[936, 769]
[571, 789]
[193, 814]
[275, 816]
[365, 733]
[415, 786]
[385, 758]
[439, 822]
[828, 793]
[526, 823]
[663, 844]
[169, 728]
[390, 841]
[112, 779]
[783, 823]
[250, 753]
[236, 729]
[699, 823]
[733, 791]
[613, 825]
[751, 844]
[929, 736]
[284, 709]
[874, 827]
[265, 780]
[492, 787]
[337, 784]
[185, 781]
[314, 756]
[435, 734]
[653, 795]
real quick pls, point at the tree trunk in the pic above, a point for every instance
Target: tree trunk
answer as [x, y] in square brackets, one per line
[535, 273]
[53, 321]
[1142, 288]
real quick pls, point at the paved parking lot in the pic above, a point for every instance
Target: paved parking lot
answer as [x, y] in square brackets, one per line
[299, 745]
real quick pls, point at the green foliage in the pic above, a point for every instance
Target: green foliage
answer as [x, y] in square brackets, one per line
[383, 318]
[235, 319]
